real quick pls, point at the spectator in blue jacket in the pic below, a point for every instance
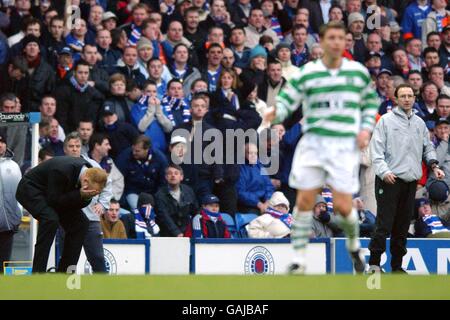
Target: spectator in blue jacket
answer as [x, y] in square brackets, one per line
[254, 187]
[148, 117]
[143, 168]
[415, 14]
[366, 219]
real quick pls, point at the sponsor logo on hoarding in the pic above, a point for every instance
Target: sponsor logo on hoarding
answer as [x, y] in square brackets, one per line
[259, 260]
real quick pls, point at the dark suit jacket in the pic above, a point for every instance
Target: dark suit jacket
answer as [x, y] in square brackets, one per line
[53, 183]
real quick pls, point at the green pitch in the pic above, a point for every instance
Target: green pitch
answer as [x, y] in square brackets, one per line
[224, 287]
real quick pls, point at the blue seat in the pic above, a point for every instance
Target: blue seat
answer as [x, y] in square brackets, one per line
[140, 235]
[231, 225]
[243, 219]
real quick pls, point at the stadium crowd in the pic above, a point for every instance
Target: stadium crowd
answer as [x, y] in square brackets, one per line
[136, 85]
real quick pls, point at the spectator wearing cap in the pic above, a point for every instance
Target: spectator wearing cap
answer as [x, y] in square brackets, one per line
[355, 23]
[324, 224]
[382, 82]
[255, 29]
[176, 204]
[10, 218]
[145, 53]
[257, 66]
[178, 149]
[413, 18]
[148, 117]
[64, 65]
[396, 36]
[145, 216]
[32, 27]
[436, 20]
[143, 168]
[41, 77]
[208, 223]
[397, 162]
[121, 133]
[275, 222]
[194, 132]
[438, 193]
[77, 99]
[98, 77]
[109, 20]
[428, 224]
[373, 63]
[254, 187]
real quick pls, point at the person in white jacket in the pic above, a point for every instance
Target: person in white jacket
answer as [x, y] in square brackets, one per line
[275, 222]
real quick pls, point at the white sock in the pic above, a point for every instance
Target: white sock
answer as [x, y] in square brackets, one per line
[301, 230]
[350, 225]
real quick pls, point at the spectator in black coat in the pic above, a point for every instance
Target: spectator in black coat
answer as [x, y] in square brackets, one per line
[129, 67]
[98, 77]
[175, 204]
[13, 79]
[121, 134]
[77, 99]
[40, 76]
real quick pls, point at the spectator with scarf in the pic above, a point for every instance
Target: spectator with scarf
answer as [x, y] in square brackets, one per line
[275, 222]
[148, 117]
[139, 13]
[428, 224]
[145, 216]
[173, 104]
[208, 223]
[77, 99]
[181, 68]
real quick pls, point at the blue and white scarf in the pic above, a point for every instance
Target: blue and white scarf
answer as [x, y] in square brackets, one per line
[169, 104]
[135, 35]
[77, 86]
[286, 218]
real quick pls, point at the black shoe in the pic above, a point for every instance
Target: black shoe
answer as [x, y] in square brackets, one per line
[399, 271]
[374, 269]
[295, 268]
[359, 263]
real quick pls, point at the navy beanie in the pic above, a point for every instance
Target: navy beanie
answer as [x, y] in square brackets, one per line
[438, 191]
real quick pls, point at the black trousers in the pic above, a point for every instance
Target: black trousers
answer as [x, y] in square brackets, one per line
[93, 246]
[74, 222]
[395, 204]
[6, 244]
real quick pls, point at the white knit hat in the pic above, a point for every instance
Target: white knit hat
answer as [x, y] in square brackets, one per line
[277, 199]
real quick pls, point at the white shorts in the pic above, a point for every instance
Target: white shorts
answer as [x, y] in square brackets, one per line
[320, 161]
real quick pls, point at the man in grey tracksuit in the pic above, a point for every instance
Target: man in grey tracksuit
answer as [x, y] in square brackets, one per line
[399, 143]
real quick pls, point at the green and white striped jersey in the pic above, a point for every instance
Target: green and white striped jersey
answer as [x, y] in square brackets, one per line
[336, 103]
